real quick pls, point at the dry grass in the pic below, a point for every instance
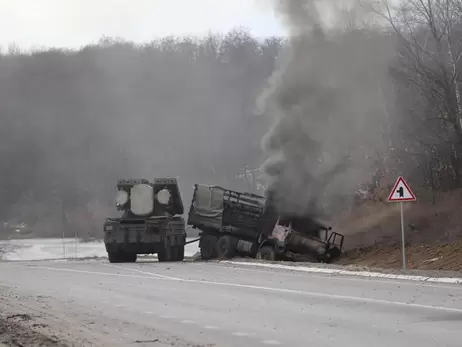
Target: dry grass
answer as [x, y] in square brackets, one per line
[433, 232]
[445, 256]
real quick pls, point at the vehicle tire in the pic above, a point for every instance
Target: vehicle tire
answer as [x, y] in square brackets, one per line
[325, 258]
[207, 246]
[165, 254]
[117, 257]
[131, 257]
[266, 253]
[334, 253]
[179, 253]
[174, 253]
[113, 257]
[226, 247]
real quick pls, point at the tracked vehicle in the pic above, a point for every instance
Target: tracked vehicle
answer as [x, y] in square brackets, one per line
[151, 222]
[233, 223]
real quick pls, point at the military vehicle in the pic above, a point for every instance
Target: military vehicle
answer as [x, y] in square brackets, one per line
[233, 223]
[151, 222]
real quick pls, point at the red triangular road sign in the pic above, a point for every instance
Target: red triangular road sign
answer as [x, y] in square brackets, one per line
[401, 192]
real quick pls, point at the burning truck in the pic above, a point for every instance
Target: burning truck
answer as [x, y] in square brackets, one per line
[232, 223]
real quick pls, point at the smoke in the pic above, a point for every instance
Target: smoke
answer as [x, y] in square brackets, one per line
[326, 101]
[73, 122]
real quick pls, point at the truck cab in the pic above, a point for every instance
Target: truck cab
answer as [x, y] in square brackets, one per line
[310, 238]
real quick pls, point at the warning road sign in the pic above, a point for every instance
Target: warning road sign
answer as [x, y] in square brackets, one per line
[401, 192]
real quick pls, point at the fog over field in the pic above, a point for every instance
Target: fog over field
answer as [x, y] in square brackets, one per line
[331, 114]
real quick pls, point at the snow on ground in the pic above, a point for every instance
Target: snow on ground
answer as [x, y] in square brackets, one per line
[46, 249]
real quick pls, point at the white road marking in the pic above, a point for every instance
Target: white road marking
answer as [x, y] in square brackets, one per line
[301, 292]
[187, 321]
[143, 272]
[271, 342]
[210, 327]
[294, 272]
[90, 272]
[271, 289]
[448, 280]
[241, 333]
[424, 281]
[149, 312]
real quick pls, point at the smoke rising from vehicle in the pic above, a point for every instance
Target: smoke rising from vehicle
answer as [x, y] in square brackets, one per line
[326, 100]
[73, 122]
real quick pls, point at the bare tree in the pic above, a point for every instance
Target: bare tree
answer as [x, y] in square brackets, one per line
[72, 122]
[429, 58]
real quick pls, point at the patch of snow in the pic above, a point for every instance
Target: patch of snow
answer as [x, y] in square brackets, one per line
[55, 248]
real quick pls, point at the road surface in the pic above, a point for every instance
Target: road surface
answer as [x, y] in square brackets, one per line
[94, 303]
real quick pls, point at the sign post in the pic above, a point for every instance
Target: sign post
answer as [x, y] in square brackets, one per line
[76, 244]
[401, 193]
[64, 244]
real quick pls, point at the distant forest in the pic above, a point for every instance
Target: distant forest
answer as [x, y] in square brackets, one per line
[73, 122]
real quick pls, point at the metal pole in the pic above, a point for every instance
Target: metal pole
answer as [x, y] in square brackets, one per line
[63, 224]
[75, 243]
[64, 245]
[403, 242]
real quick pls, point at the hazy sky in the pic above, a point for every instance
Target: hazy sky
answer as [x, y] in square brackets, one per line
[73, 23]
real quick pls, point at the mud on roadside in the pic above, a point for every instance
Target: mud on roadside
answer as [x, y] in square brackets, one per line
[20, 330]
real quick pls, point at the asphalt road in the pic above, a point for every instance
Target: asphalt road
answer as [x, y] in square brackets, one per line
[199, 304]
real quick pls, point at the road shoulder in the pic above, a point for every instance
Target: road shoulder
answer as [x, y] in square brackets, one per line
[20, 330]
[430, 276]
[29, 321]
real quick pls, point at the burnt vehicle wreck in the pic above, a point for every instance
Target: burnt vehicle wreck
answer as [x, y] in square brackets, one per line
[233, 224]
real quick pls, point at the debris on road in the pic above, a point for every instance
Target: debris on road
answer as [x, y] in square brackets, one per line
[19, 330]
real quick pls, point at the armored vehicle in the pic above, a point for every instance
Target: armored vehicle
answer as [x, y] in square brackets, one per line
[233, 223]
[151, 222]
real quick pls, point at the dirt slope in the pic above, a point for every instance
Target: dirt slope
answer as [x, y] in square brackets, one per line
[424, 257]
[433, 234]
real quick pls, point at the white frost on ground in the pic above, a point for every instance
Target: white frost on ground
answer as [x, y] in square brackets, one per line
[46, 249]
[313, 269]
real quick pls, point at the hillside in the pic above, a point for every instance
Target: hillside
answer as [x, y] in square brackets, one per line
[331, 116]
[433, 234]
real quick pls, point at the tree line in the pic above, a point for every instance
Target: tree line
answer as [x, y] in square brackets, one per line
[73, 122]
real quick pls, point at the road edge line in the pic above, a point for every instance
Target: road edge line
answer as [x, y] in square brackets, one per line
[447, 280]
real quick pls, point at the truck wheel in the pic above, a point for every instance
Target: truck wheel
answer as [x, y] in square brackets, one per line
[207, 246]
[174, 254]
[334, 253]
[226, 247]
[165, 254]
[266, 253]
[325, 258]
[113, 257]
[117, 257]
[179, 253]
[131, 257]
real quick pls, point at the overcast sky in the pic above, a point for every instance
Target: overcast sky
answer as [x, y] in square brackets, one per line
[73, 23]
